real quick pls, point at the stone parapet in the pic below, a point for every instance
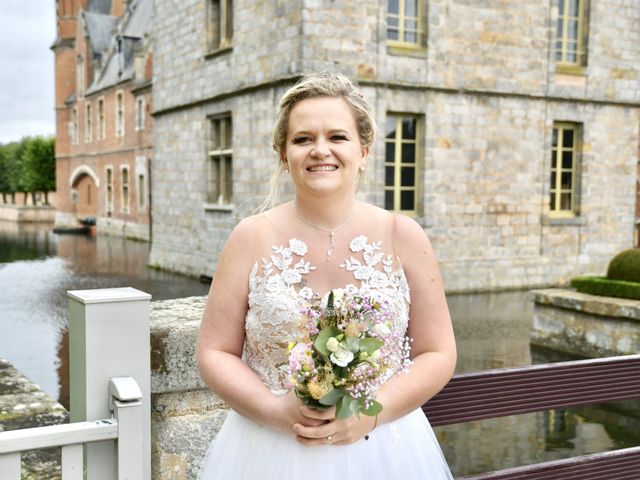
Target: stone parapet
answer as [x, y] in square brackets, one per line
[585, 325]
[185, 414]
[27, 213]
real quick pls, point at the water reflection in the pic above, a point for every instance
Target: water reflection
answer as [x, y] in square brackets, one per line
[37, 267]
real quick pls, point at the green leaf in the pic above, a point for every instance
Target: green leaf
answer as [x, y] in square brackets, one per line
[332, 397]
[354, 406]
[353, 344]
[321, 340]
[370, 345]
[343, 409]
[375, 408]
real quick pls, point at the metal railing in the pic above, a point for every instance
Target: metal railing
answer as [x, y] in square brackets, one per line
[512, 391]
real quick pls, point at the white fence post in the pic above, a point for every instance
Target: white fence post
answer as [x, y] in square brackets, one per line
[108, 337]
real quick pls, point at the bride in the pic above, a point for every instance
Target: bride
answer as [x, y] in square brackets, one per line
[292, 255]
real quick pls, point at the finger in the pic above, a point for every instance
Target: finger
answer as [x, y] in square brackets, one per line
[320, 432]
[316, 442]
[311, 422]
[327, 414]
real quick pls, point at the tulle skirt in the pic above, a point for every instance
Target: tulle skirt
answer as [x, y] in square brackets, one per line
[406, 449]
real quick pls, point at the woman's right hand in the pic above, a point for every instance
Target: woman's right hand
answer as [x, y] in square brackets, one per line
[288, 411]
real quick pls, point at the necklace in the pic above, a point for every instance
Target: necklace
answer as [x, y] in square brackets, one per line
[330, 231]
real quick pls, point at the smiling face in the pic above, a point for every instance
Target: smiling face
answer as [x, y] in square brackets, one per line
[323, 149]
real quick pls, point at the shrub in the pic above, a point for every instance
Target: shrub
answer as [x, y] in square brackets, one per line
[607, 287]
[625, 266]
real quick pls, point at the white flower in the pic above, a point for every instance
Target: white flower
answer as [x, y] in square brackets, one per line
[298, 247]
[306, 293]
[375, 356]
[358, 243]
[363, 272]
[341, 357]
[382, 329]
[333, 344]
[291, 276]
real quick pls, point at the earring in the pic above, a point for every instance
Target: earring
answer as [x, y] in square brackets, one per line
[361, 168]
[286, 169]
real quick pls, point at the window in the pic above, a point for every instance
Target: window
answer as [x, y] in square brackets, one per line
[73, 127]
[80, 76]
[400, 167]
[564, 166]
[220, 27]
[220, 154]
[88, 124]
[139, 113]
[405, 23]
[571, 34]
[101, 124]
[119, 114]
[124, 189]
[142, 195]
[109, 199]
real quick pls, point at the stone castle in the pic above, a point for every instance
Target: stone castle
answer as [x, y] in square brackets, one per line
[508, 131]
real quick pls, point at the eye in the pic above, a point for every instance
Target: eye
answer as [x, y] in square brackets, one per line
[339, 137]
[301, 140]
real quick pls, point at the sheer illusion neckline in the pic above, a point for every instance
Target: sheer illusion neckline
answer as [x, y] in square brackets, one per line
[373, 270]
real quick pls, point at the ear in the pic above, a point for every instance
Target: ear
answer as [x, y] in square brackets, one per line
[365, 156]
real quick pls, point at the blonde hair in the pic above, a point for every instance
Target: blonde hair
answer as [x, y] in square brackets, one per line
[315, 85]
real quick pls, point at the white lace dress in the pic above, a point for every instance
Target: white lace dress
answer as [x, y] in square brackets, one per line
[245, 450]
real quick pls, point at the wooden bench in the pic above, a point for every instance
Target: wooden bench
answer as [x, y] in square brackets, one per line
[512, 391]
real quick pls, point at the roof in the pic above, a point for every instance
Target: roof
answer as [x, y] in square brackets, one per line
[100, 29]
[131, 35]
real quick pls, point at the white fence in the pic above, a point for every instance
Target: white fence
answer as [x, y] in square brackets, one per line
[110, 434]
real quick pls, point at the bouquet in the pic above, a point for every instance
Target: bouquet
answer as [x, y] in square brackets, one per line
[347, 349]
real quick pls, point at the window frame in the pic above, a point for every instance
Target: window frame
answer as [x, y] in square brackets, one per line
[220, 162]
[101, 119]
[125, 189]
[88, 123]
[401, 46]
[398, 163]
[219, 28]
[140, 117]
[109, 189]
[120, 114]
[555, 188]
[582, 38]
[73, 127]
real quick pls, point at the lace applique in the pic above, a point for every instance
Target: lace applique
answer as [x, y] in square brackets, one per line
[277, 296]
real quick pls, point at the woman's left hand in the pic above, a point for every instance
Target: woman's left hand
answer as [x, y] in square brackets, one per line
[334, 432]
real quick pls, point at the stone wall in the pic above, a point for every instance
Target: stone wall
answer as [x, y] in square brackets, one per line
[185, 415]
[585, 325]
[487, 92]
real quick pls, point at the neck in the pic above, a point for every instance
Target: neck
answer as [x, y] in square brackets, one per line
[325, 213]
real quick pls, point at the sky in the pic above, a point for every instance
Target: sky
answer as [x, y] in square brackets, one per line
[27, 30]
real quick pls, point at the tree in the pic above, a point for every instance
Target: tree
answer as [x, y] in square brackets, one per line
[11, 170]
[39, 165]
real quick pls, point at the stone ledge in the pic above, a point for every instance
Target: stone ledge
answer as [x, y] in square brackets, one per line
[174, 330]
[583, 302]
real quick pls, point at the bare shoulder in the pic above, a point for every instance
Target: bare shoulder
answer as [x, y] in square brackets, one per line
[412, 244]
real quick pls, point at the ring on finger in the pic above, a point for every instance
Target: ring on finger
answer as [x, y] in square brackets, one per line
[329, 440]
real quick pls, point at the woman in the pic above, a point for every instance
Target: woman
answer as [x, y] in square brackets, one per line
[291, 255]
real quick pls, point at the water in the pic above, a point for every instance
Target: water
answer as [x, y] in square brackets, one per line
[492, 331]
[37, 267]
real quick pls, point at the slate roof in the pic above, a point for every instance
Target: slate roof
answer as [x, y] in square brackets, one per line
[100, 29]
[119, 61]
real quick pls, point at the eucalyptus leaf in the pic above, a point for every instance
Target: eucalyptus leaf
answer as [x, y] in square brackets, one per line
[353, 344]
[332, 397]
[343, 409]
[321, 340]
[370, 345]
[375, 408]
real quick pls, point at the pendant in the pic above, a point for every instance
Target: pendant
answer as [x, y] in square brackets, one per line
[331, 245]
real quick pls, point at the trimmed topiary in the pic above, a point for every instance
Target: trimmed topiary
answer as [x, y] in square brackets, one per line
[606, 287]
[625, 266]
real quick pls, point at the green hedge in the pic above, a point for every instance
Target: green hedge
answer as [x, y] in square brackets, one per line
[625, 266]
[607, 288]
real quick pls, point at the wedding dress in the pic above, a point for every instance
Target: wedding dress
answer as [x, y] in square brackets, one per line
[245, 450]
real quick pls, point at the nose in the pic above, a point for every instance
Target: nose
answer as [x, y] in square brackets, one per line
[320, 149]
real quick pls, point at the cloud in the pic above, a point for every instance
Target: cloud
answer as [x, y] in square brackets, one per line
[27, 30]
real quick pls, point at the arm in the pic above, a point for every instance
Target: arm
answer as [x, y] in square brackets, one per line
[433, 348]
[221, 339]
